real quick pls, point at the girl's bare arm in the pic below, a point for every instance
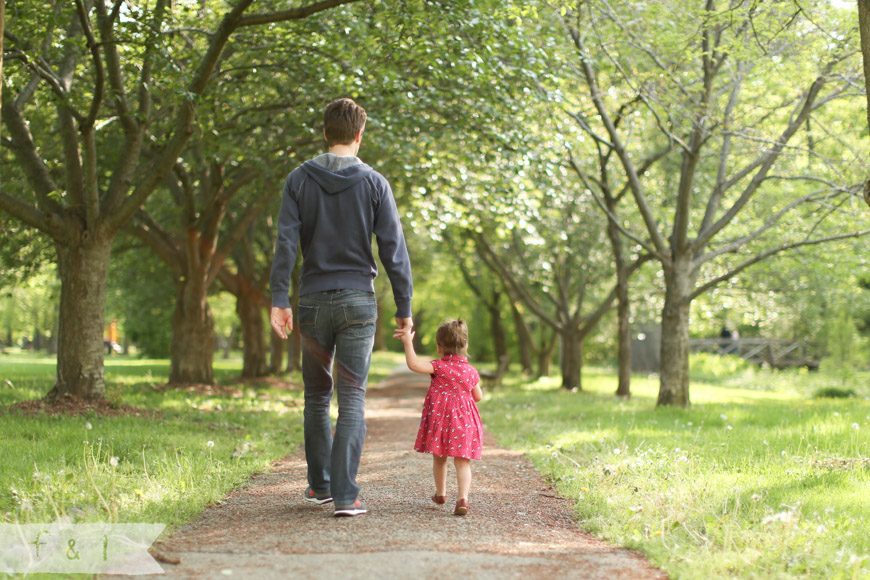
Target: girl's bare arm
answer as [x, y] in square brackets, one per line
[415, 363]
[476, 393]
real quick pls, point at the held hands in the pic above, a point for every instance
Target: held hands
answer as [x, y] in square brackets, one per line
[282, 321]
[404, 326]
[406, 336]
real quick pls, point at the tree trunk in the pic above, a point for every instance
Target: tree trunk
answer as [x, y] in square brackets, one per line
[228, 341]
[499, 339]
[276, 357]
[674, 381]
[52, 344]
[623, 313]
[571, 361]
[623, 307]
[545, 351]
[524, 340]
[83, 273]
[419, 325]
[254, 347]
[864, 28]
[2, 30]
[380, 329]
[192, 347]
[37, 331]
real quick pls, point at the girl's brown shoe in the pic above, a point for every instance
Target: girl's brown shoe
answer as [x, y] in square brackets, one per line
[439, 499]
[461, 508]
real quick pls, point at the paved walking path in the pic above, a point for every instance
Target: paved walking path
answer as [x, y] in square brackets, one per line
[517, 526]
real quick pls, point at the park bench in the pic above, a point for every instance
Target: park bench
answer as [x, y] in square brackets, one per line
[492, 378]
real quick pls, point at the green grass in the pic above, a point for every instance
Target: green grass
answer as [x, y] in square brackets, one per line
[758, 479]
[164, 466]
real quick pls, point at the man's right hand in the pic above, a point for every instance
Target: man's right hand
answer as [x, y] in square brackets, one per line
[282, 321]
[404, 325]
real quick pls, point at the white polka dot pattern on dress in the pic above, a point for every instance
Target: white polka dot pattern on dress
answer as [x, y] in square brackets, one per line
[451, 423]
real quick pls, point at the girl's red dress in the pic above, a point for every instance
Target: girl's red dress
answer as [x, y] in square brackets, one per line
[451, 422]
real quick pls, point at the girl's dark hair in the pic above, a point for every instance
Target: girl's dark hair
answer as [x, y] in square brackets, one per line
[342, 121]
[452, 337]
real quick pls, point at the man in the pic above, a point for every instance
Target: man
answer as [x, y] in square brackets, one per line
[332, 205]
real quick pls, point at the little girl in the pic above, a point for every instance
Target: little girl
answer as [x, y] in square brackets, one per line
[451, 424]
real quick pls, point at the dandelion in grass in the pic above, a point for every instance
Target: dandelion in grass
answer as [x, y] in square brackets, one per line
[113, 461]
[723, 417]
[855, 426]
[88, 426]
[729, 427]
[765, 443]
[210, 444]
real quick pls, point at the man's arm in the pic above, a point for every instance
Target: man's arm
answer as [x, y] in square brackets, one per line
[394, 253]
[284, 261]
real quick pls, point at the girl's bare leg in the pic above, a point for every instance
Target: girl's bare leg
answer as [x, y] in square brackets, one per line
[439, 470]
[463, 475]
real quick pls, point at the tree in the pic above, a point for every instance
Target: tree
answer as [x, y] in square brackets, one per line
[103, 74]
[253, 260]
[864, 27]
[196, 253]
[705, 90]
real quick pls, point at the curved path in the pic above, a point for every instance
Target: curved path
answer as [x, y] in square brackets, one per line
[517, 527]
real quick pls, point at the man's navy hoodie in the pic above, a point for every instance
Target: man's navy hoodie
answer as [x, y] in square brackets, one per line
[332, 206]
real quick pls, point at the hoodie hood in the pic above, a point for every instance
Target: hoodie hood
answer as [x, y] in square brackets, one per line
[333, 174]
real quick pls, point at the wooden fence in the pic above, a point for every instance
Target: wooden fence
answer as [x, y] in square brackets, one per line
[776, 352]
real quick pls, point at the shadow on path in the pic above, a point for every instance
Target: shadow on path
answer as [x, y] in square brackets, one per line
[517, 527]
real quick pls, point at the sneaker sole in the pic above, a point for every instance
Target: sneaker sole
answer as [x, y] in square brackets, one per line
[318, 501]
[346, 513]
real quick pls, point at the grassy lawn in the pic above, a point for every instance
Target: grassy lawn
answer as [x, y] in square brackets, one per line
[758, 479]
[186, 451]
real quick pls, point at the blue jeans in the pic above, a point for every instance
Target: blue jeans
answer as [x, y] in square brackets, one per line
[336, 325]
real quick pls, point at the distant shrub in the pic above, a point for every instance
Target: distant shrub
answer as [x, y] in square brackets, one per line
[834, 393]
[708, 366]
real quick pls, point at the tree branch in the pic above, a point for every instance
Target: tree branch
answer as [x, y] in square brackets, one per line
[490, 257]
[234, 236]
[716, 197]
[614, 219]
[634, 181]
[34, 167]
[183, 121]
[86, 127]
[701, 289]
[292, 14]
[763, 163]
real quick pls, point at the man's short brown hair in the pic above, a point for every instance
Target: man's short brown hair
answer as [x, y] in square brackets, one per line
[343, 119]
[452, 337]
